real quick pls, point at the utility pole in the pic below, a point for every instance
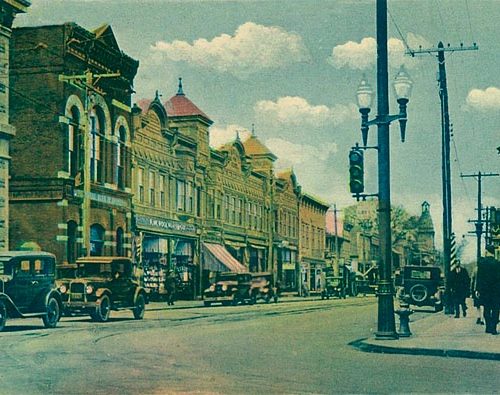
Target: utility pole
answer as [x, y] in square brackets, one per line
[86, 83]
[479, 222]
[445, 154]
[336, 270]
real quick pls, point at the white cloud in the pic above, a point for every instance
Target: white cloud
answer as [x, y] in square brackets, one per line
[484, 100]
[363, 55]
[221, 135]
[296, 155]
[252, 48]
[295, 111]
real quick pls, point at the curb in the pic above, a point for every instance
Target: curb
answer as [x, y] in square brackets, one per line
[364, 346]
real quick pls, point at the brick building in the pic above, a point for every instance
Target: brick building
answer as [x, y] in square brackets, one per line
[8, 10]
[286, 194]
[70, 190]
[312, 213]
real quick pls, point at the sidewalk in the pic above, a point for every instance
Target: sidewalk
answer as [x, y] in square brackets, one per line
[440, 335]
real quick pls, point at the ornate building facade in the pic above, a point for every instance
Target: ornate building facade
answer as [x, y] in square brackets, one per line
[70, 190]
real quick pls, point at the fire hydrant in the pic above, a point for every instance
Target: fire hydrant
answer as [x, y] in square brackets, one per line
[404, 313]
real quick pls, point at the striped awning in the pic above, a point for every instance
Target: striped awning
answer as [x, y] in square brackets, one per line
[217, 258]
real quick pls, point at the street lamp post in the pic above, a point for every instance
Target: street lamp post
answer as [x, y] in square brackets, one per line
[386, 327]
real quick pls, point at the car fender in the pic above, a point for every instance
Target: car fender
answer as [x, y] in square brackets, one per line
[55, 294]
[101, 291]
[12, 310]
[138, 291]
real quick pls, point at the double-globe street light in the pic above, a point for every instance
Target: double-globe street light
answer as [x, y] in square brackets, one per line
[386, 328]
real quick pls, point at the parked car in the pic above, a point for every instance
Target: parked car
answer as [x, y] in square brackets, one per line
[105, 284]
[422, 286]
[262, 287]
[64, 274]
[334, 287]
[27, 287]
[229, 288]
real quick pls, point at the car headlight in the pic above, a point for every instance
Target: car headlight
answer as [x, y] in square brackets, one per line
[89, 289]
[224, 287]
[63, 289]
[212, 288]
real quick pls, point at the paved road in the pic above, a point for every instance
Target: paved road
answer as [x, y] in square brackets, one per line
[299, 347]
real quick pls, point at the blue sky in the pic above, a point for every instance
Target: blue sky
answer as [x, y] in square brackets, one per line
[292, 68]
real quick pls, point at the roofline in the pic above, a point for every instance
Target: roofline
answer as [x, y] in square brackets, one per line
[315, 200]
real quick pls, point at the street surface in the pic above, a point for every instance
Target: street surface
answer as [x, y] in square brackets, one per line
[295, 346]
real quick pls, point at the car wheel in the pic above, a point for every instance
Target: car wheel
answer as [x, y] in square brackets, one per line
[235, 301]
[207, 304]
[252, 300]
[101, 313]
[3, 315]
[267, 298]
[419, 293]
[53, 313]
[438, 307]
[140, 307]
[275, 298]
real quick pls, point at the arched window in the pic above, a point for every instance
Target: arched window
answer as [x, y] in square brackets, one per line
[74, 142]
[120, 157]
[71, 249]
[98, 128]
[96, 240]
[119, 242]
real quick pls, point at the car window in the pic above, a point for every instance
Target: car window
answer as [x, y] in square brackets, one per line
[421, 275]
[39, 267]
[24, 268]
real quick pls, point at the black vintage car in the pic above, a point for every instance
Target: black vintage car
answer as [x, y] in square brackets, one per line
[422, 286]
[27, 287]
[104, 284]
[229, 288]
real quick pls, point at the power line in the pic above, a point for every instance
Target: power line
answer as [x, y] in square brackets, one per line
[399, 31]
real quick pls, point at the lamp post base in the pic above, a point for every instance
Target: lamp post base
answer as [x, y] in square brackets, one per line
[386, 335]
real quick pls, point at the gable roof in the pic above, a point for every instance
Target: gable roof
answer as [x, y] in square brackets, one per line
[254, 147]
[105, 33]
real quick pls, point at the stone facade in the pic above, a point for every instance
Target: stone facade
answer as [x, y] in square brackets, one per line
[8, 10]
[71, 125]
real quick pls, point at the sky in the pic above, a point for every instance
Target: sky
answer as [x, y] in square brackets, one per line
[292, 68]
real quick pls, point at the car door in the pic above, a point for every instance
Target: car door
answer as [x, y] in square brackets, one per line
[122, 286]
[19, 288]
[42, 281]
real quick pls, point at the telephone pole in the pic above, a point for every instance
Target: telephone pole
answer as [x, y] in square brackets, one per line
[479, 222]
[87, 83]
[336, 264]
[445, 153]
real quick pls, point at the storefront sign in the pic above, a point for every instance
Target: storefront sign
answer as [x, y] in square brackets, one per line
[288, 266]
[105, 199]
[164, 224]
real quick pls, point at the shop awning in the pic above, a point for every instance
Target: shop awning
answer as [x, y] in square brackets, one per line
[218, 259]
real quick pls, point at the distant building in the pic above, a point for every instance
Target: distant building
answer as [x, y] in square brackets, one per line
[312, 212]
[425, 233]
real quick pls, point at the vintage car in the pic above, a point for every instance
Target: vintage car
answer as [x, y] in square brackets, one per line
[262, 287]
[104, 284]
[64, 274]
[422, 286]
[229, 288]
[27, 287]
[334, 286]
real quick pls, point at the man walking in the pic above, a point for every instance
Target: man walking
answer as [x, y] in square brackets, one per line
[459, 287]
[488, 291]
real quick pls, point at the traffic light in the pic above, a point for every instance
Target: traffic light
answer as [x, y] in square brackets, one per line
[356, 171]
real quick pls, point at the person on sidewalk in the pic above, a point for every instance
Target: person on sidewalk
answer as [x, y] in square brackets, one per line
[459, 287]
[475, 298]
[170, 287]
[488, 278]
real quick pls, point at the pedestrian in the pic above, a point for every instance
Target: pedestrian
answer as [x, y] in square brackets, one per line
[305, 289]
[459, 288]
[170, 287]
[475, 298]
[488, 278]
